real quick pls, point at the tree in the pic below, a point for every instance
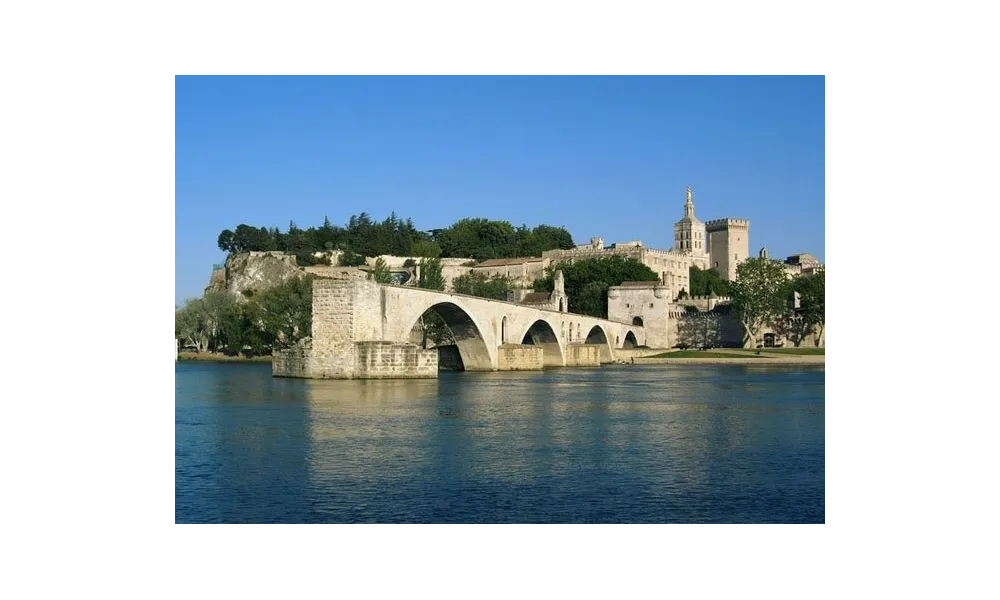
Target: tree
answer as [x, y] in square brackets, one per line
[432, 326]
[587, 281]
[242, 330]
[246, 239]
[426, 248]
[478, 284]
[758, 295]
[214, 308]
[200, 321]
[478, 238]
[707, 281]
[350, 259]
[810, 316]
[380, 273]
[591, 299]
[188, 325]
[286, 311]
[431, 277]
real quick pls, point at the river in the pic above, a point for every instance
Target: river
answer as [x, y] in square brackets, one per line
[615, 444]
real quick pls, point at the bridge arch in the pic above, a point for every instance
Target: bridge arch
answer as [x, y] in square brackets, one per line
[472, 347]
[630, 341]
[540, 333]
[597, 336]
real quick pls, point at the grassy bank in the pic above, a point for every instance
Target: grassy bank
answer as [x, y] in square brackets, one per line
[214, 357]
[718, 356]
[697, 354]
[791, 351]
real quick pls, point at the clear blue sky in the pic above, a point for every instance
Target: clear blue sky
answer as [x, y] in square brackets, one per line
[601, 156]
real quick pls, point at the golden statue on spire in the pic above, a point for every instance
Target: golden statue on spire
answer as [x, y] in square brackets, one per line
[689, 194]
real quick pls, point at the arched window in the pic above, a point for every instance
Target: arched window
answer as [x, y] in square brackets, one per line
[637, 321]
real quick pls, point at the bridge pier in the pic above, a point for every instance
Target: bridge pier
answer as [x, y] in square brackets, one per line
[583, 355]
[520, 357]
[358, 360]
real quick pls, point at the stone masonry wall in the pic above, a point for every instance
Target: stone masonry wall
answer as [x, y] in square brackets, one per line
[389, 360]
[726, 331]
[583, 355]
[517, 357]
[649, 303]
[627, 354]
[347, 340]
[294, 361]
[345, 310]
[330, 361]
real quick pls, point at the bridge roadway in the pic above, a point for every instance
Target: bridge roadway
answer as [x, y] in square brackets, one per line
[352, 310]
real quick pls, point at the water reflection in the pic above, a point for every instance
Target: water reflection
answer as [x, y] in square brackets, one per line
[250, 447]
[363, 437]
[625, 444]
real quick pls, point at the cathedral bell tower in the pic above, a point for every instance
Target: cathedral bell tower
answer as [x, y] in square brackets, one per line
[689, 232]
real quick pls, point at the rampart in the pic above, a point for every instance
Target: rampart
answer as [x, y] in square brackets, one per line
[700, 329]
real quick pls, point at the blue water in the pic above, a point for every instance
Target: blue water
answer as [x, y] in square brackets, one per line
[615, 444]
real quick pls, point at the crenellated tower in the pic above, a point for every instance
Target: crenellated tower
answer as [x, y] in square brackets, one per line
[729, 245]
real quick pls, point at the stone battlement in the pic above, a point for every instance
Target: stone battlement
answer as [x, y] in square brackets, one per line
[677, 253]
[722, 224]
[706, 298]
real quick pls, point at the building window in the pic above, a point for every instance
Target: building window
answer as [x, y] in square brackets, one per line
[650, 305]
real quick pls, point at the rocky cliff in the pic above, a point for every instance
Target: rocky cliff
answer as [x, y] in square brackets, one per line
[255, 271]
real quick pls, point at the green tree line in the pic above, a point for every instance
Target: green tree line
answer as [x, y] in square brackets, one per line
[262, 323]
[478, 239]
[763, 296]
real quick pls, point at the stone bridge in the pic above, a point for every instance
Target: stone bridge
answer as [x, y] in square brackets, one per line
[364, 330]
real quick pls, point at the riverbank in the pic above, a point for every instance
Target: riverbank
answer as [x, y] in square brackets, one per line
[214, 357]
[722, 356]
